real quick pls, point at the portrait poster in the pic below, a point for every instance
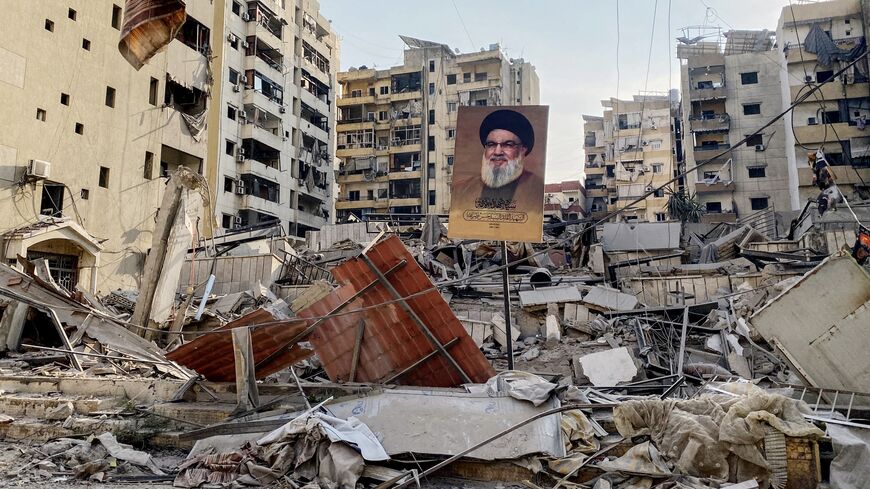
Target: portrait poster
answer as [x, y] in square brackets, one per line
[498, 173]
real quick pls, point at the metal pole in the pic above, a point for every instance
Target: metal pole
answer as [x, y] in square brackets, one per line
[507, 306]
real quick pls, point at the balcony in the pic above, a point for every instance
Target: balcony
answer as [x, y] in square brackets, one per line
[256, 97]
[260, 169]
[187, 67]
[816, 133]
[265, 136]
[259, 30]
[344, 203]
[320, 104]
[708, 151]
[354, 149]
[594, 170]
[270, 69]
[313, 130]
[831, 91]
[177, 135]
[844, 175]
[596, 192]
[310, 220]
[404, 174]
[354, 125]
[401, 97]
[707, 93]
[260, 204]
[703, 188]
[361, 99]
[710, 123]
[479, 85]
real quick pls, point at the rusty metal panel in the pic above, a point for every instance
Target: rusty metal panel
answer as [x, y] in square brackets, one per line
[392, 341]
[211, 355]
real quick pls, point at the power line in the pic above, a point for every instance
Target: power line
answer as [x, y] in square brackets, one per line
[473, 45]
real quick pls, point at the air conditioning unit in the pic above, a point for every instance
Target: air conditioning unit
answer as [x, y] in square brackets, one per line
[243, 114]
[243, 79]
[648, 188]
[237, 88]
[240, 187]
[282, 110]
[759, 147]
[38, 169]
[237, 220]
[808, 79]
[812, 121]
[232, 38]
[246, 16]
[240, 156]
[245, 44]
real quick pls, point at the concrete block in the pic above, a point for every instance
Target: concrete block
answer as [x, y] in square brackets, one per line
[552, 331]
[605, 368]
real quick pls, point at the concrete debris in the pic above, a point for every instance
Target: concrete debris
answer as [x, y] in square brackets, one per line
[375, 354]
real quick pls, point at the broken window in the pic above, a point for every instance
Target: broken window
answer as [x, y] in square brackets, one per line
[713, 207]
[406, 162]
[405, 189]
[110, 96]
[260, 187]
[86, 44]
[227, 221]
[171, 159]
[51, 203]
[272, 56]
[80, 128]
[357, 139]
[148, 171]
[194, 35]
[231, 112]
[85, 194]
[71, 14]
[406, 82]
[823, 76]
[64, 98]
[191, 101]
[49, 25]
[264, 85]
[312, 56]
[230, 148]
[40, 114]
[256, 150]
[831, 117]
[152, 91]
[629, 121]
[755, 140]
[402, 136]
[104, 177]
[229, 183]
[263, 15]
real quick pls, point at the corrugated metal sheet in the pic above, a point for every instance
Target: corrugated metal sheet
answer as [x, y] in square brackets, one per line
[211, 355]
[392, 341]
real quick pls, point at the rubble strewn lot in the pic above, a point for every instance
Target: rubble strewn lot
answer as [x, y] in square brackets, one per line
[661, 355]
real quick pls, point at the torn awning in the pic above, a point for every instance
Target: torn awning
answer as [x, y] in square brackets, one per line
[149, 25]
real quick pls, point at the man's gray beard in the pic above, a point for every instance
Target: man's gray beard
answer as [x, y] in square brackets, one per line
[499, 177]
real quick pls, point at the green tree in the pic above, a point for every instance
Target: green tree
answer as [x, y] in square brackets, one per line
[684, 206]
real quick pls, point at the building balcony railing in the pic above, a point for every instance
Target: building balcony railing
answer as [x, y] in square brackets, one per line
[707, 93]
[710, 123]
[709, 188]
[708, 151]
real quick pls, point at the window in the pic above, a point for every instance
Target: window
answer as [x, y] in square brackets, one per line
[104, 177]
[758, 203]
[755, 140]
[714, 207]
[40, 114]
[431, 66]
[86, 44]
[430, 143]
[751, 109]
[382, 193]
[823, 76]
[385, 90]
[372, 91]
[230, 148]
[370, 194]
[451, 106]
[655, 144]
[658, 168]
[148, 171]
[231, 112]
[756, 172]
[80, 128]
[228, 184]
[85, 194]
[234, 41]
[431, 197]
[237, 8]
[382, 115]
[49, 25]
[480, 76]
[431, 89]
[450, 160]
[71, 14]
[661, 217]
[152, 91]
[234, 77]
[831, 117]
[466, 77]
[480, 103]
[64, 98]
[227, 221]
[431, 116]
[659, 192]
[353, 195]
[110, 96]
[116, 17]
[749, 78]
[451, 79]
[51, 203]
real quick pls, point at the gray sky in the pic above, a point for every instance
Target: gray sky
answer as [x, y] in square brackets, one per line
[573, 45]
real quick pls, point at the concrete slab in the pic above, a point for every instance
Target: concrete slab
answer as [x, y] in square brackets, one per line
[610, 299]
[609, 367]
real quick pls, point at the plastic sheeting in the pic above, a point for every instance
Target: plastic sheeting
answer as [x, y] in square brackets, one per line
[820, 43]
[850, 468]
[715, 435]
[521, 385]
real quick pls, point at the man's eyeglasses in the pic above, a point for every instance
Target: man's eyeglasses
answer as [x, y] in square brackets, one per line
[505, 145]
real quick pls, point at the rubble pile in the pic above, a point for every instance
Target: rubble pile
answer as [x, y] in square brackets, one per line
[654, 355]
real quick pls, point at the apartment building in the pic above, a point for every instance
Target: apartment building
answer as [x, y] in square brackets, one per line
[396, 127]
[274, 151]
[86, 138]
[628, 152]
[730, 90]
[817, 40]
[564, 201]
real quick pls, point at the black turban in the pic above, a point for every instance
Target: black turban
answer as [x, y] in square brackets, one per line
[509, 120]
